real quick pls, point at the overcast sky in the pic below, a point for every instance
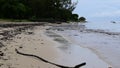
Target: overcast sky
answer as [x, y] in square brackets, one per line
[99, 10]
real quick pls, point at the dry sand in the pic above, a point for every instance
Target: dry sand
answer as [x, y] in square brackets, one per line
[57, 46]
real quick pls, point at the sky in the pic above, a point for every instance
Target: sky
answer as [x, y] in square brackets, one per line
[99, 10]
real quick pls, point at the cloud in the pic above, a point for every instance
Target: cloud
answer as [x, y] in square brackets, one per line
[98, 9]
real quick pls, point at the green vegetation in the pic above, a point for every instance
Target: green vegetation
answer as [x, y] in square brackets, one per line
[82, 19]
[14, 20]
[60, 10]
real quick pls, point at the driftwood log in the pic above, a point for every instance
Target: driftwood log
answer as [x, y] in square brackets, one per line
[61, 66]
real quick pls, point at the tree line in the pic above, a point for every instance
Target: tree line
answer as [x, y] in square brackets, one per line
[38, 9]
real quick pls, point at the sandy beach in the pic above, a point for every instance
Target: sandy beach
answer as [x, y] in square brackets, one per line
[60, 44]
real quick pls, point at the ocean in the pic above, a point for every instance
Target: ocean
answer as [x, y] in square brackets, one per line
[106, 26]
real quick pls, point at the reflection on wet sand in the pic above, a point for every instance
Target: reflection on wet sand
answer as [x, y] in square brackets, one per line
[77, 54]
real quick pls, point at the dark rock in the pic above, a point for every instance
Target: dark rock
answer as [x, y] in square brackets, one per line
[20, 47]
[42, 43]
[1, 65]
[1, 53]
[30, 33]
[1, 45]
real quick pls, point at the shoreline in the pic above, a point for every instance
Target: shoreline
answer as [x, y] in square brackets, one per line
[107, 46]
[55, 46]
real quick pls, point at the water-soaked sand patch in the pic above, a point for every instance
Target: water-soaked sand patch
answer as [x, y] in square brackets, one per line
[73, 54]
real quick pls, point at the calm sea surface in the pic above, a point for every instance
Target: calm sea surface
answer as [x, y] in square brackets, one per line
[107, 26]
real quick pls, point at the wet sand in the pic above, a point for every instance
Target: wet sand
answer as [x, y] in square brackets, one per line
[102, 43]
[56, 46]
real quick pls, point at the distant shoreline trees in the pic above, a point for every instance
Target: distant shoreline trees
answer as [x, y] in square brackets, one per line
[38, 9]
[82, 19]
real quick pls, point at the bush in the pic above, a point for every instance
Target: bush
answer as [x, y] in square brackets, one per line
[82, 19]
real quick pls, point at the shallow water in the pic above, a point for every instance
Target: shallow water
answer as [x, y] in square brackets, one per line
[104, 46]
[75, 54]
[70, 54]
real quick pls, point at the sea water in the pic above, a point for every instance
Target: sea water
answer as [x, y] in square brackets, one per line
[106, 26]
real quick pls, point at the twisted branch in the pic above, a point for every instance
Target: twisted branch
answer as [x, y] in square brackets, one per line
[61, 66]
